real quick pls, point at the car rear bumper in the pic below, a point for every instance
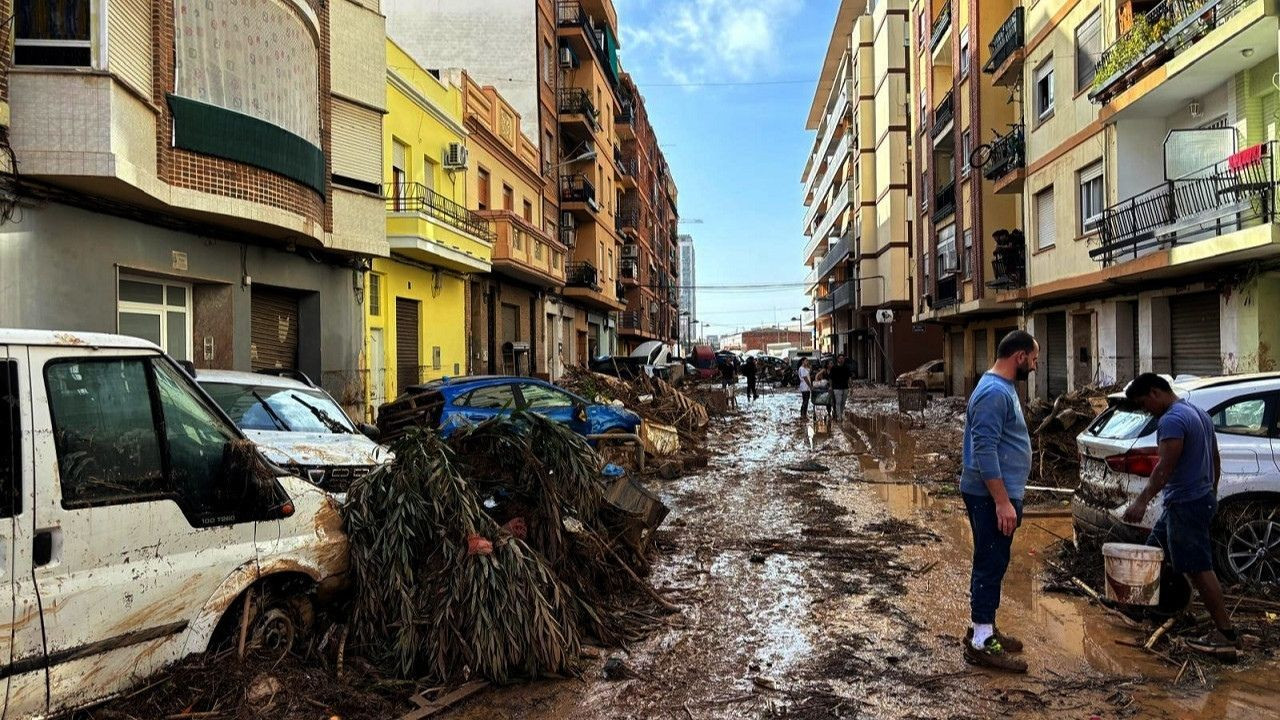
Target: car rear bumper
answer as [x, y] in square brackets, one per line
[1096, 522]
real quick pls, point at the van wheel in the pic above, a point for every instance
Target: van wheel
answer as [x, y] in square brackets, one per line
[1246, 542]
[279, 621]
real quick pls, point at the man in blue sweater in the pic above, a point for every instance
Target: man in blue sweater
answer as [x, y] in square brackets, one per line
[997, 461]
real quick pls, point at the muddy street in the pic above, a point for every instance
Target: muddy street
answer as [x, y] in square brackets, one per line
[843, 593]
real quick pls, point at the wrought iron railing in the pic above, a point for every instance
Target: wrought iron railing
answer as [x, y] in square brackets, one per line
[940, 25]
[1009, 262]
[628, 216]
[943, 114]
[577, 188]
[570, 13]
[582, 274]
[1221, 198]
[576, 101]
[944, 201]
[633, 320]
[627, 116]
[1007, 40]
[416, 197]
[1008, 153]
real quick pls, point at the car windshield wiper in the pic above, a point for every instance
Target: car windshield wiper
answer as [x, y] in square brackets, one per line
[275, 418]
[324, 417]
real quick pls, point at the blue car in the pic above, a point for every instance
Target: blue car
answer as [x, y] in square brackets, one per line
[454, 402]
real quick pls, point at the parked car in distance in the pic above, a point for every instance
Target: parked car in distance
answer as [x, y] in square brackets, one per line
[297, 425]
[930, 376]
[1118, 453]
[452, 402]
[137, 517]
[651, 358]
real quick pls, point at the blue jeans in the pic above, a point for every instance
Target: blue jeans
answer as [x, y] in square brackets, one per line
[990, 556]
[1183, 531]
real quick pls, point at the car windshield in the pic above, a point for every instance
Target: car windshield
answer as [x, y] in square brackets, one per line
[261, 407]
[1121, 423]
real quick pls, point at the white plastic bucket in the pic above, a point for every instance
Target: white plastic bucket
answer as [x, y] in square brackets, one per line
[1133, 573]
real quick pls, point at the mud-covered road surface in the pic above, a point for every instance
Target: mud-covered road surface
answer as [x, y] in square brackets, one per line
[844, 594]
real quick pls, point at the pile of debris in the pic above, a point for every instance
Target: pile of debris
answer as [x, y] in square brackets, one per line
[496, 554]
[1054, 427]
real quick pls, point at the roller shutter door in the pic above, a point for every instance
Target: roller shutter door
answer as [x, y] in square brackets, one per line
[1195, 334]
[408, 359]
[1055, 355]
[980, 361]
[955, 364]
[273, 329]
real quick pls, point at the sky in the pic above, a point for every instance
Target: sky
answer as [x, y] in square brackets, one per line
[728, 85]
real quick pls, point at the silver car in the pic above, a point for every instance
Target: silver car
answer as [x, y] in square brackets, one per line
[297, 426]
[1118, 453]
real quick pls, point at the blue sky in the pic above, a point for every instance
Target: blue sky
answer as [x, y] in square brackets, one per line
[737, 150]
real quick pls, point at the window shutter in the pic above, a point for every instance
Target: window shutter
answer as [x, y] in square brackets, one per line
[1046, 228]
[1088, 50]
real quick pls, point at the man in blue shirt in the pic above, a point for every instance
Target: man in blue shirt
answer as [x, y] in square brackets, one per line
[997, 461]
[1187, 472]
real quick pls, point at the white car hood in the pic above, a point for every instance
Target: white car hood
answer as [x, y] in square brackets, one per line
[318, 449]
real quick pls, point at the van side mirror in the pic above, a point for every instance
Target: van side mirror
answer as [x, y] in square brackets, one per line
[370, 431]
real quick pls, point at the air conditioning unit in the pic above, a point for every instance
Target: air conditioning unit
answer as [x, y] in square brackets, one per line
[455, 156]
[568, 58]
[567, 221]
[631, 251]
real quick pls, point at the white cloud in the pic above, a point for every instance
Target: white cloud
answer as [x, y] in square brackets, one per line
[703, 40]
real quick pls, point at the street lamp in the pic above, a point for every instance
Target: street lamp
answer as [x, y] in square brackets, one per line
[813, 310]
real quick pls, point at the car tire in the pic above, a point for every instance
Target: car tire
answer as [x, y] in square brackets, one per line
[1246, 542]
[280, 620]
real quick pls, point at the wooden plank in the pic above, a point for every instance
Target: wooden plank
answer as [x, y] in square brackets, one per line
[428, 708]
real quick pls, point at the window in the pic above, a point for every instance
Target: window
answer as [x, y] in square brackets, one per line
[10, 434]
[494, 397]
[508, 198]
[923, 22]
[399, 171]
[947, 250]
[1046, 228]
[263, 407]
[156, 311]
[375, 294]
[482, 189]
[528, 211]
[1088, 49]
[966, 150]
[924, 108]
[436, 359]
[541, 397]
[964, 51]
[548, 151]
[966, 260]
[53, 33]
[1090, 180]
[1245, 416]
[548, 63]
[1044, 89]
[429, 173]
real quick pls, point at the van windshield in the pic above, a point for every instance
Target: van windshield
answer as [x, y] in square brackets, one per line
[260, 407]
[1122, 424]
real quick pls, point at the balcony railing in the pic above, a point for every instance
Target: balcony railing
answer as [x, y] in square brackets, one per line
[576, 101]
[948, 291]
[943, 114]
[835, 255]
[940, 26]
[416, 197]
[570, 13]
[1155, 37]
[842, 295]
[1007, 40]
[945, 201]
[627, 116]
[628, 216]
[1009, 262]
[634, 320]
[1219, 199]
[577, 188]
[582, 274]
[1008, 153]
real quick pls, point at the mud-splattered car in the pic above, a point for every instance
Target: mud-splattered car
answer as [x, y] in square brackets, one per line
[136, 519]
[297, 425]
[1118, 453]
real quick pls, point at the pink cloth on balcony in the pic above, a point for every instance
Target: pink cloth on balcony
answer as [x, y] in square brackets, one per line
[1245, 158]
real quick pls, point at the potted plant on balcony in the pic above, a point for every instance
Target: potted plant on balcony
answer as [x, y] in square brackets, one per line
[1142, 43]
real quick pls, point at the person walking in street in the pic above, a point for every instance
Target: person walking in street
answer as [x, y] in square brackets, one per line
[997, 462]
[839, 375]
[806, 387]
[749, 370]
[1187, 473]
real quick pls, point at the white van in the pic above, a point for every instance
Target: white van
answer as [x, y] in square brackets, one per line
[130, 525]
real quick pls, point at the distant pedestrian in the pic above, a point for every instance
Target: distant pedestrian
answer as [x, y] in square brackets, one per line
[839, 374]
[997, 461]
[750, 370]
[1187, 473]
[806, 387]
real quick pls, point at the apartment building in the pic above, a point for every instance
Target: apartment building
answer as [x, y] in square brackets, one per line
[1167, 184]
[959, 111]
[421, 325]
[687, 275]
[858, 193]
[162, 195]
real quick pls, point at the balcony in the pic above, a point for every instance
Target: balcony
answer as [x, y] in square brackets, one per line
[575, 108]
[569, 237]
[944, 202]
[941, 25]
[1009, 262]
[582, 275]
[1007, 54]
[837, 254]
[634, 320]
[576, 189]
[1231, 195]
[432, 228]
[1004, 164]
[943, 115]
[523, 251]
[629, 272]
[585, 34]
[1171, 28]
[628, 218]
[625, 121]
[948, 293]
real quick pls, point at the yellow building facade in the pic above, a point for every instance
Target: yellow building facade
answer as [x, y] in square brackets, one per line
[416, 301]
